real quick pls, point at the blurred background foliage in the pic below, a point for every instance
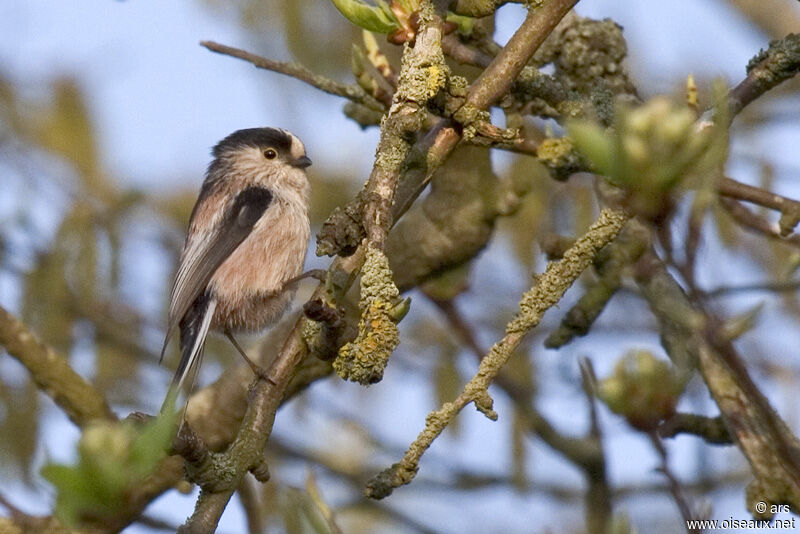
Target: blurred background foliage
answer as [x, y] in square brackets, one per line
[73, 235]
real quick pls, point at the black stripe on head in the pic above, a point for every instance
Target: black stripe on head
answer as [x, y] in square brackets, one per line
[256, 138]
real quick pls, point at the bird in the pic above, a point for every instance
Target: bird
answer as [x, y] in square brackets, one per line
[246, 243]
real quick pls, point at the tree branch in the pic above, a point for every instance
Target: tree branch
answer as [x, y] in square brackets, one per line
[789, 208]
[756, 223]
[686, 510]
[343, 230]
[52, 373]
[710, 429]
[423, 75]
[779, 62]
[496, 80]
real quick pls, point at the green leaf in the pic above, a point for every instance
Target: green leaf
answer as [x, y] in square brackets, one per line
[465, 24]
[112, 459]
[372, 18]
[595, 145]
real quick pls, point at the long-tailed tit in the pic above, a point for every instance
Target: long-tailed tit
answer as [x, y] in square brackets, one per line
[247, 238]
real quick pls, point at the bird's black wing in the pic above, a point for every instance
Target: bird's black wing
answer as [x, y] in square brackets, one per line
[203, 254]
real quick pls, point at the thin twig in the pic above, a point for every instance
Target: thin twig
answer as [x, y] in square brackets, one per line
[354, 93]
[787, 286]
[756, 223]
[464, 54]
[672, 482]
[737, 190]
[579, 450]
[249, 492]
[788, 208]
[710, 429]
[598, 492]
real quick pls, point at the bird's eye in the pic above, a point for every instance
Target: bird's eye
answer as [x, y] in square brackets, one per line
[270, 153]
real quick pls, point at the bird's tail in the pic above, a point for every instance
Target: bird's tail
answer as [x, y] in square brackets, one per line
[194, 329]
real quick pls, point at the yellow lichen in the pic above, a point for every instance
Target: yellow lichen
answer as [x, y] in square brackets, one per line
[364, 359]
[559, 155]
[435, 80]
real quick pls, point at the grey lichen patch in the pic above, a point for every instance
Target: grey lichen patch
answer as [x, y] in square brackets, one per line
[559, 96]
[457, 87]
[394, 145]
[382, 484]
[778, 62]
[469, 116]
[587, 53]
[364, 359]
[533, 84]
[593, 50]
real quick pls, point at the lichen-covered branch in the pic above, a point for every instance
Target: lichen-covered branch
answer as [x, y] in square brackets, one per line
[424, 73]
[342, 232]
[586, 452]
[52, 373]
[245, 452]
[779, 62]
[610, 266]
[547, 291]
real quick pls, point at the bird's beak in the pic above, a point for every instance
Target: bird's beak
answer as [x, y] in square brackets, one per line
[301, 162]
